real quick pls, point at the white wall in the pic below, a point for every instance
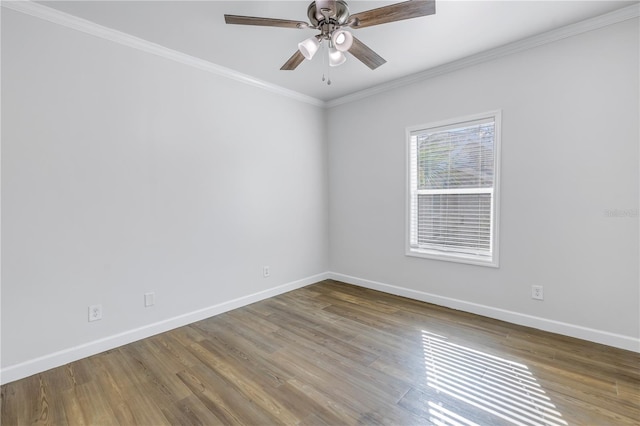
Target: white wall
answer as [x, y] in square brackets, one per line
[123, 172]
[569, 152]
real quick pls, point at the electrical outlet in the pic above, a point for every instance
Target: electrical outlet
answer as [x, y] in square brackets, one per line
[95, 312]
[266, 271]
[536, 292]
[149, 299]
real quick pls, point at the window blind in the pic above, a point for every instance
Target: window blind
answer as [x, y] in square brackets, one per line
[452, 173]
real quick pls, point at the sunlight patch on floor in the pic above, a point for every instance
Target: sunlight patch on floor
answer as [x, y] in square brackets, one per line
[502, 388]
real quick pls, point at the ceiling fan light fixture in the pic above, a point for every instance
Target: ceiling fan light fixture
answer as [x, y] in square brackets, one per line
[336, 57]
[342, 40]
[309, 47]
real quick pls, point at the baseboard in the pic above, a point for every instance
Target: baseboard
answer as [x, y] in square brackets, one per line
[56, 359]
[590, 334]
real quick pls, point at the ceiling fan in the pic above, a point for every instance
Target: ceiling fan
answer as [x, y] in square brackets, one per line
[331, 17]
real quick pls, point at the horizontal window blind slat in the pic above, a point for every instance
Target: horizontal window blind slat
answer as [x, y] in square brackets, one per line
[453, 242]
[466, 232]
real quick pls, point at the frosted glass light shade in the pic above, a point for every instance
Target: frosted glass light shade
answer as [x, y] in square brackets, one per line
[309, 47]
[336, 57]
[342, 40]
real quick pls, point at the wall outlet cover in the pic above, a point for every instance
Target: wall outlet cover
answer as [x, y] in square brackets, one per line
[95, 312]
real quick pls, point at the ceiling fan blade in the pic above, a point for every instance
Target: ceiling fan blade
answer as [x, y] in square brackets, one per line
[293, 62]
[367, 56]
[264, 22]
[394, 12]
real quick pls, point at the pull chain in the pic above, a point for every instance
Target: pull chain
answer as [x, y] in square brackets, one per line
[324, 62]
[325, 65]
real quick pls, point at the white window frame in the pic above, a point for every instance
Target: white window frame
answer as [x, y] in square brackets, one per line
[411, 193]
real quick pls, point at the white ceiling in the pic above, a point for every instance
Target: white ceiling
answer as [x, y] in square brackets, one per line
[457, 30]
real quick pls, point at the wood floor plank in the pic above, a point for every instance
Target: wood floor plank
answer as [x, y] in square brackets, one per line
[93, 403]
[72, 406]
[313, 316]
[367, 303]
[310, 302]
[10, 403]
[430, 404]
[336, 386]
[330, 410]
[228, 407]
[26, 398]
[267, 374]
[256, 322]
[171, 349]
[580, 412]
[628, 392]
[141, 394]
[245, 382]
[162, 384]
[326, 341]
[359, 373]
[333, 353]
[113, 392]
[78, 372]
[224, 322]
[192, 412]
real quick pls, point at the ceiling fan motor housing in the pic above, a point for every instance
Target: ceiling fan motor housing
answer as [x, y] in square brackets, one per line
[339, 16]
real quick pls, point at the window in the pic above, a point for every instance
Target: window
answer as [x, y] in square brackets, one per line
[453, 190]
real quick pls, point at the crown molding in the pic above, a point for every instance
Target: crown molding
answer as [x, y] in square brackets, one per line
[52, 15]
[70, 21]
[617, 16]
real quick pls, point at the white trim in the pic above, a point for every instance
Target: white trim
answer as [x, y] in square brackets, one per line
[70, 21]
[43, 12]
[578, 28]
[598, 336]
[65, 356]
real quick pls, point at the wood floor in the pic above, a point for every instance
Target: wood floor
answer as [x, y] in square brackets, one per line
[336, 354]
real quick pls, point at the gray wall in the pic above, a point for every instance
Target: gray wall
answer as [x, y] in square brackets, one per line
[123, 172]
[569, 153]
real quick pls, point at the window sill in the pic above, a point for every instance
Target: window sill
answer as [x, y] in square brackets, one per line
[454, 257]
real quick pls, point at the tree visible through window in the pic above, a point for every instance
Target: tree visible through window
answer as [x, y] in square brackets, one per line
[453, 189]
